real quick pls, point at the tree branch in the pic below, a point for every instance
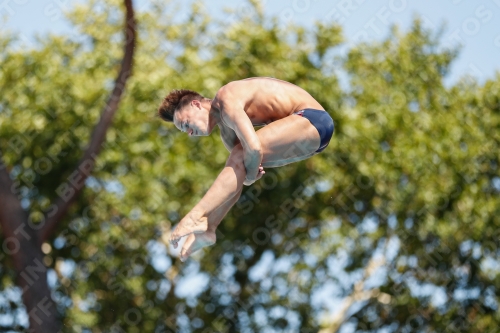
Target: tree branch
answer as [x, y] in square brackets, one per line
[86, 164]
[358, 295]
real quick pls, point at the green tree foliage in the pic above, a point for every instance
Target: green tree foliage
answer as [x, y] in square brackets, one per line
[431, 153]
[410, 177]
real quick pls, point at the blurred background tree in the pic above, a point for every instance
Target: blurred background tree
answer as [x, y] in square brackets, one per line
[393, 227]
[26, 230]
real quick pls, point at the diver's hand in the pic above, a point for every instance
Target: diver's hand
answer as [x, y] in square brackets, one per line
[249, 181]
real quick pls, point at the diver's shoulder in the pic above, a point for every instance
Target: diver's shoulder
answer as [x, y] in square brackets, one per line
[232, 93]
[232, 89]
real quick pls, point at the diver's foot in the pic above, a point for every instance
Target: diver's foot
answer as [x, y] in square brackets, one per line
[194, 242]
[188, 225]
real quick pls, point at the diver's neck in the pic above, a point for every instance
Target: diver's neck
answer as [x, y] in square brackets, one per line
[213, 116]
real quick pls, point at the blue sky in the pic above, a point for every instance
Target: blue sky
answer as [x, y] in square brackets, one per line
[470, 23]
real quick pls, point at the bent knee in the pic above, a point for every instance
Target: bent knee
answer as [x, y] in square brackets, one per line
[236, 156]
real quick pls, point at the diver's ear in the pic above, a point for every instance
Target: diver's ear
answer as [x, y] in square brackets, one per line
[196, 103]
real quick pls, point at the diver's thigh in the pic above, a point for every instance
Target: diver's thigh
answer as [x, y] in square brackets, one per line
[287, 140]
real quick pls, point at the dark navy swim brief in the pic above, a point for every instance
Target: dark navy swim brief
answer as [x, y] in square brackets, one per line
[323, 123]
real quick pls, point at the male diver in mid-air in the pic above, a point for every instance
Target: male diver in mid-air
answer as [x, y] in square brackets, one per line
[297, 127]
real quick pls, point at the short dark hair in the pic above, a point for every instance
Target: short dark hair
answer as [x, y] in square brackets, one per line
[176, 100]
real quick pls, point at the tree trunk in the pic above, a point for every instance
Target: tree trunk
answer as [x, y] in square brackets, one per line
[21, 243]
[23, 239]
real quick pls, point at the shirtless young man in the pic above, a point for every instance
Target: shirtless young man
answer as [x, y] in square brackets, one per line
[297, 127]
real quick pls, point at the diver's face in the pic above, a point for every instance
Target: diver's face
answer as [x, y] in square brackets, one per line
[192, 119]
